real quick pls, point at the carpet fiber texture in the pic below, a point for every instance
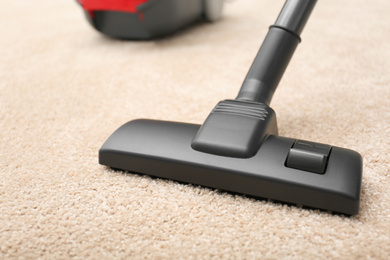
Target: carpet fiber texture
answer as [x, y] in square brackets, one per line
[64, 88]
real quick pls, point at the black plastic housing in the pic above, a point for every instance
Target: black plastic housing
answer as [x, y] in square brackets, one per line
[155, 18]
[162, 149]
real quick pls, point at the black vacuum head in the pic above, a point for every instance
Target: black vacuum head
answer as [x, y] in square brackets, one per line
[283, 169]
[237, 148]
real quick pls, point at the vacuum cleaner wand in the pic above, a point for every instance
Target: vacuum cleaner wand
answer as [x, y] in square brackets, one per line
[276, 52]
[237, 129]
[237, 148]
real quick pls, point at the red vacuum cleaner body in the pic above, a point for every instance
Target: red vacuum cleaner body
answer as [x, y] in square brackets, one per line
[147, 19]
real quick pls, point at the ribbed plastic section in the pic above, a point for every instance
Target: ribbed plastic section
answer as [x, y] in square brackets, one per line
[248, 109]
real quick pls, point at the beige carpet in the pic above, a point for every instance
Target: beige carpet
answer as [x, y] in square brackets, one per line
[65, 88]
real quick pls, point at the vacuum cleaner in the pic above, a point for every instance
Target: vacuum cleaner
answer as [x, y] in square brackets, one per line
[237, 149]
[147, 19]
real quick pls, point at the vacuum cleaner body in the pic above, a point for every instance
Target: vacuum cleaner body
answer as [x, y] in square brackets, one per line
[237, 148]
[147, 19]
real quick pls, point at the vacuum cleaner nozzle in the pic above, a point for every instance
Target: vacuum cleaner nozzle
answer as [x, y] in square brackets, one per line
[237, 148]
